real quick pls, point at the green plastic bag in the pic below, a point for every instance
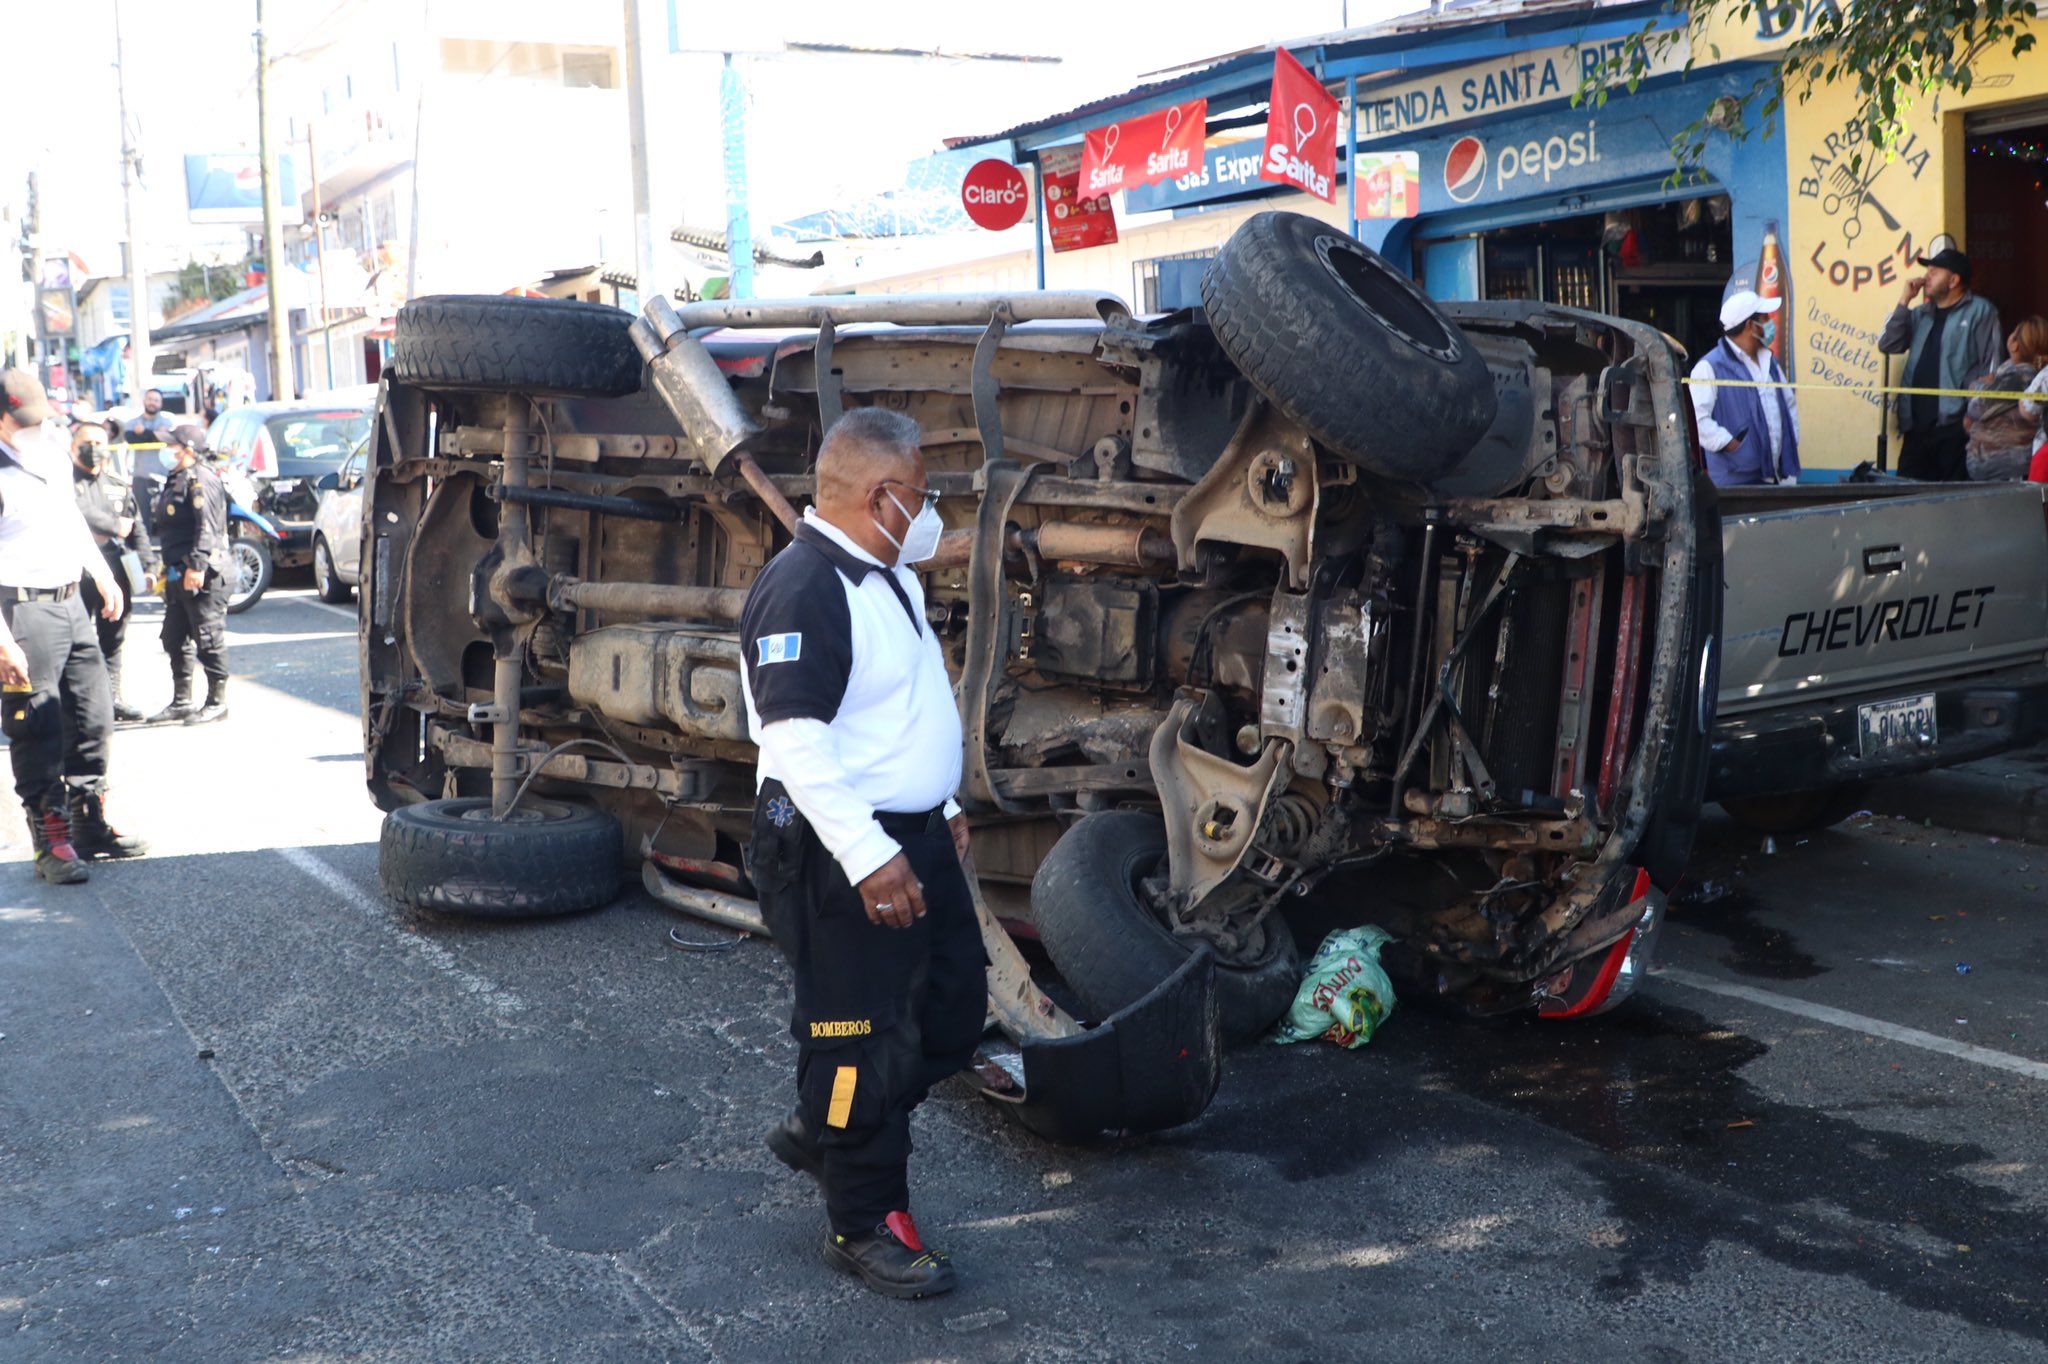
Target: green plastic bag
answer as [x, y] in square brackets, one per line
[1344, 996]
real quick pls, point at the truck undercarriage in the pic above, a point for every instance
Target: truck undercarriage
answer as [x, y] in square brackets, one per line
[1456, 674]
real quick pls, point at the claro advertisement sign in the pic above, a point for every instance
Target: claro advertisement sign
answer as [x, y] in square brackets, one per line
[228, 188]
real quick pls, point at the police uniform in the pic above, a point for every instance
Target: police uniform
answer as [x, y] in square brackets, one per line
[192, 532]
[43, 545]
[104, 500]
[848, 699]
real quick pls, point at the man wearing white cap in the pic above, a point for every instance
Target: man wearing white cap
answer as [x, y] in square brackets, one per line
[1750, 434]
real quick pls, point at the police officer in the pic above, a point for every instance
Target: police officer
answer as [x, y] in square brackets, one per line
[858, 847]
[107, 501]
[50, 661]
[192, 529]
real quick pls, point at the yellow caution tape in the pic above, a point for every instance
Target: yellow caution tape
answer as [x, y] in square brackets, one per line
[2039, 396]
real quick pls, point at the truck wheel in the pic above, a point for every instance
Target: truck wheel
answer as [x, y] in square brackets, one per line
[1348, 347]
[1113, 950]
[249, 560]
[1798, 812]
[452, 857]
[531, 345]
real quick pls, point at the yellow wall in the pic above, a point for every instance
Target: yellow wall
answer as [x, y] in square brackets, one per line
[1843, 285]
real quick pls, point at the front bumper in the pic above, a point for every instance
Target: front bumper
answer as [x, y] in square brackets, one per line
[1812, 746]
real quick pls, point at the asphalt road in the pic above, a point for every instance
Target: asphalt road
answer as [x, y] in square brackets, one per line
[249, 1111]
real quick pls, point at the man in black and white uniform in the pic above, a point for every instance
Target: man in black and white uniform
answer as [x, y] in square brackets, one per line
[858, 847]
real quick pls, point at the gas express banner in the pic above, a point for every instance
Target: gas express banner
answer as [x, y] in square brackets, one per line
[1072, 220]
[1301, 131]
[1144, 150]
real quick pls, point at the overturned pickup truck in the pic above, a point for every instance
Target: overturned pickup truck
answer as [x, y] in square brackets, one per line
[1322, 586]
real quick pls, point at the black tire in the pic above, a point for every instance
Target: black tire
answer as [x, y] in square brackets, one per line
[326, 581]
[528, 345]
[254, 568]
[1113, 951]
[1347, 346]
[451, 857]
[1798, 812]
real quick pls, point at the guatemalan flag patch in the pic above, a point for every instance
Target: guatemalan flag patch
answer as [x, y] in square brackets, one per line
[778, 649]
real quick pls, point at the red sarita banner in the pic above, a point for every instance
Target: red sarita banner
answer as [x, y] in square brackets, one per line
[1144, 150]
[1301, 131]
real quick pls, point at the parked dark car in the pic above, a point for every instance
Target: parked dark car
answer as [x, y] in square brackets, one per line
[286, 447]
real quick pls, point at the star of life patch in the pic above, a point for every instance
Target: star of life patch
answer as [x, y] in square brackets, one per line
[778, 649]
[781, 812]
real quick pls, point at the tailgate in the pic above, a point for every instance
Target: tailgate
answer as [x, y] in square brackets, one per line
[1860, 596]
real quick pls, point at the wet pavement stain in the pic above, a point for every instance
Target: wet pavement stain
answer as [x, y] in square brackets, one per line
[1756, 949]
[1689, 1153]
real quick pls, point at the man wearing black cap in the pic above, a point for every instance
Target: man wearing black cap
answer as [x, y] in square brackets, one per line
[192, 530]
[1950, 342]
[50, 665]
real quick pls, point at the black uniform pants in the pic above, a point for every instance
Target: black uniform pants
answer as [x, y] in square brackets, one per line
[1935, 454]
[60, 728]
[197, 623]
[113, 633]
[882, 1014]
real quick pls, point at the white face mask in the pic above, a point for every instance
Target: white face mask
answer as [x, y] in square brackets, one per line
[921, 540]
[168, 460]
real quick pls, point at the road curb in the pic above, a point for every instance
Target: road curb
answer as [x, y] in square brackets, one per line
[2011, 805]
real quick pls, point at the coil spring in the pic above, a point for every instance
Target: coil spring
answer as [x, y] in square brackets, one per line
[1290, 820]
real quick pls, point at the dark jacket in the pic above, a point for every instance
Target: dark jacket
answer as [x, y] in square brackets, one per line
[103, 500]
[192, 520]
[1972, 345]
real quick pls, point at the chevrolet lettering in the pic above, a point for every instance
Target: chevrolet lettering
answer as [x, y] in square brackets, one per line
[1894, 619]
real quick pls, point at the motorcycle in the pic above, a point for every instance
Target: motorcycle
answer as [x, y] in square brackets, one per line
[251, 535]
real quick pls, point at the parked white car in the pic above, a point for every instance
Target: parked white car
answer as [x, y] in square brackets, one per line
[338, 530]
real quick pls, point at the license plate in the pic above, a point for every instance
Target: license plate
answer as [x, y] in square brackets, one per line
[1886, 728]
[284, 485]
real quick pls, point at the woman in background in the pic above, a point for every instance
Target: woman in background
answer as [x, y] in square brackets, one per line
[2002, 433]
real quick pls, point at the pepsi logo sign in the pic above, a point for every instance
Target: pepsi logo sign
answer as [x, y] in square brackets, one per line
[1465, 169]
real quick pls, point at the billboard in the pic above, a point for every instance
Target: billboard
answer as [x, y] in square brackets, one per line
[228, 188]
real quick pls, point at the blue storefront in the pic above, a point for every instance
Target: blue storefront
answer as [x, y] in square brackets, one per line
[1519, 193]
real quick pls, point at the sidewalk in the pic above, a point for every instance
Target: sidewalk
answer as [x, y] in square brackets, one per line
[2004, 797]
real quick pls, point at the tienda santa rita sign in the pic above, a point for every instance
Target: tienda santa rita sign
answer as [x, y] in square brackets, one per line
[1144, 150]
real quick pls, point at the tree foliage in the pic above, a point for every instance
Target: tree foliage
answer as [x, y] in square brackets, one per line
[1897, 55]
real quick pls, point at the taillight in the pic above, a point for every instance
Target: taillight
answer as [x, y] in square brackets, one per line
[1596, 985]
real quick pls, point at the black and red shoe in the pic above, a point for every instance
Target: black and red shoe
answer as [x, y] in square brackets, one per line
[892, 1261]
[793, 1144]
[57, 862]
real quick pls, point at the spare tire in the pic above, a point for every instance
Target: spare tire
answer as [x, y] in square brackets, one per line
[1113, 950]
[558, 346]
[1347, 346]
[452, 857]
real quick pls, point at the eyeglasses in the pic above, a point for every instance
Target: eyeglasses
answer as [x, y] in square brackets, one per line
[930, 496]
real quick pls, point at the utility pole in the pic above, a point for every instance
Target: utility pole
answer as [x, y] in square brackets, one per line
[141, 359]
[645, 276]
[739, 235]
[281, 382]
[320, 254]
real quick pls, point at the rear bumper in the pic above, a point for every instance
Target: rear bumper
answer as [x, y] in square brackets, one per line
[1808, 747]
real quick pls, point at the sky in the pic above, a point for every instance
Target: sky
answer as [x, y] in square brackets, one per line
[821, 130]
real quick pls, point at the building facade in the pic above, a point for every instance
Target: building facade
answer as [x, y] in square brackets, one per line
[1522, 190]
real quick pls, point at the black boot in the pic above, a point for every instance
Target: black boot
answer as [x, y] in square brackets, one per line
[216, 707]
[892, 1261]
[795, 1147]
[57, 862]
[92, 836]
[123, 712]
[181, 707]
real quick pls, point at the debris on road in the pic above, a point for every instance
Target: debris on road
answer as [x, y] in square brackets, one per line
[1344, 996]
